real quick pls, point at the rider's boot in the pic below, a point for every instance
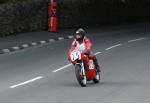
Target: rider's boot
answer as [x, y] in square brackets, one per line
[97, 66]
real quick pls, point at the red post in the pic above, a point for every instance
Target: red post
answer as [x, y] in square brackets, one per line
[52, 20]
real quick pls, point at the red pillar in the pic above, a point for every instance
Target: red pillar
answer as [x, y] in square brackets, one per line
[52, 20]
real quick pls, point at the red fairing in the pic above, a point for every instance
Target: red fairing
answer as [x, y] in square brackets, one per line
[90, 73]
[83, 57]
[88, 45]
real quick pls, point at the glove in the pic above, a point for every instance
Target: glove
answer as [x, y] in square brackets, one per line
[86, 52]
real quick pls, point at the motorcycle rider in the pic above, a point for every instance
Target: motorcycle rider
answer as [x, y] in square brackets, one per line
[82, 43]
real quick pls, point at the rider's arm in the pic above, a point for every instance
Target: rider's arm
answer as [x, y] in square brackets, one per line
[73, 46]
[88, 44]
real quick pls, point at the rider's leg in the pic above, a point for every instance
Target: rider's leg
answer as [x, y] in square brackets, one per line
[95, 61]
[97, 65]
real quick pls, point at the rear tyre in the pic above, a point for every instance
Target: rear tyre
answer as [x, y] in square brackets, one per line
[80, 78]
[97, 78]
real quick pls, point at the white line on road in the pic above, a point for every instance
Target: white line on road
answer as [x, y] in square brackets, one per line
[136, 40]
[98, 53]
[68, 65]
[113, 46]
[26, 82]
[62, 68]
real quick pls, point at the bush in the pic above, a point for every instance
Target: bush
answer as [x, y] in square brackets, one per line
[3, 1]
[10, 1]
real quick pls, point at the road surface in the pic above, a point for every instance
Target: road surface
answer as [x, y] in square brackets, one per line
[44, 75]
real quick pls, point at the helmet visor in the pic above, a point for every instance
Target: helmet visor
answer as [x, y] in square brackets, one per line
[79, 38]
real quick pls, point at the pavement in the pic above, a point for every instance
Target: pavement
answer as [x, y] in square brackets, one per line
[23, 41]
[44, 75]
[27, 40]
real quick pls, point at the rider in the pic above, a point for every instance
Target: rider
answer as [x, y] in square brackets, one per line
[82, 43]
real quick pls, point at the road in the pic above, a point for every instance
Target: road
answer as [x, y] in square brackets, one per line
[44, 75]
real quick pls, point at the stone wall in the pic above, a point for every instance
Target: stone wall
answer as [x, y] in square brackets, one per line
[23, 17]
[31, 15]
[77, 13]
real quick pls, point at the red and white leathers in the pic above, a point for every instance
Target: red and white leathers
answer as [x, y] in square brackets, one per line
[84, 45]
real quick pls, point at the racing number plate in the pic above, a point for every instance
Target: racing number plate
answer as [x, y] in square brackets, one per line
[75, 55]
[91, 65]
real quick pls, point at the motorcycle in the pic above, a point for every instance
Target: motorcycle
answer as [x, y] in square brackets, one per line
[84, 71]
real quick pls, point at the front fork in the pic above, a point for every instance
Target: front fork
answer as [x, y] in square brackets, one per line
[83, 71]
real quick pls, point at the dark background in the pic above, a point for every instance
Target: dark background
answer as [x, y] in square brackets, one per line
[31, 15]
[101, 12]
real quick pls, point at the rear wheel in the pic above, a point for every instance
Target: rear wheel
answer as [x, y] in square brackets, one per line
[80, 78]
[97, 78]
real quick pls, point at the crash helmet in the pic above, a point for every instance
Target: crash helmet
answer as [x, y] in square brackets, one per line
[80, 34]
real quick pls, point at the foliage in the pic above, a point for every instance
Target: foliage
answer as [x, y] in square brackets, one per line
[11, 1]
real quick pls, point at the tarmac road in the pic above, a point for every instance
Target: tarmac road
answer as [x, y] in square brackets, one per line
[44, 75]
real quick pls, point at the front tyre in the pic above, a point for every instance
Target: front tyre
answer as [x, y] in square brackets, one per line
[79, 75]
[97, 78]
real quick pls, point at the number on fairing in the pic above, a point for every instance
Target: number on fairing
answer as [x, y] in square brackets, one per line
[75, 55]
[91, 64]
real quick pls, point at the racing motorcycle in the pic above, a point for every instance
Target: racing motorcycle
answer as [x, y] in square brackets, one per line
[85, 71]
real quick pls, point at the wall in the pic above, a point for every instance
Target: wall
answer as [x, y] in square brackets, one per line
[99, 12]
[32, 15]
[23, 17]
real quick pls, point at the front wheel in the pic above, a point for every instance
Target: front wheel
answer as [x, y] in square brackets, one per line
[97, 78]
[79, 75]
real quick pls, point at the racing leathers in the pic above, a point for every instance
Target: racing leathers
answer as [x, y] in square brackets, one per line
[85, 46]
